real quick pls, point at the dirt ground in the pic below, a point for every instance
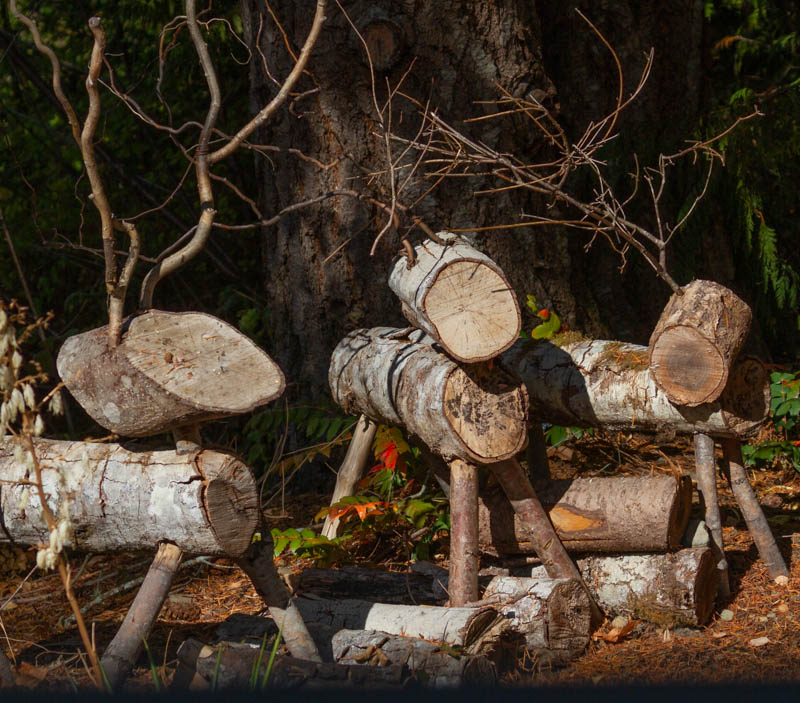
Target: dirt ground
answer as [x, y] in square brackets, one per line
[760, 643]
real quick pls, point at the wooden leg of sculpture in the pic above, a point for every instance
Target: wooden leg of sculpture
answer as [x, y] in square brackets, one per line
[464, 553]
[526, 504]
[352, 469]
[258, 564]
[706, 471]
[753, 514]
[536, 455]
[123, 651]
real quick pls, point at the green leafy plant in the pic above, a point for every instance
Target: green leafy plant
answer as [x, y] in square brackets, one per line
[550, 325]
[785, 409]
[556, 435]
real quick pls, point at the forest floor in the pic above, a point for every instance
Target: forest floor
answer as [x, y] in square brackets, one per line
[760, 643]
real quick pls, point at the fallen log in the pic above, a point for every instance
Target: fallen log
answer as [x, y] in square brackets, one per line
[696, 340]
[205, 502]
[230, 665]
[476, 413]
[671, 589]
[169, 370]
[459, 296]
[608, 384]
[666, 589]
[441, 668]
[477, 630]
[615, 514]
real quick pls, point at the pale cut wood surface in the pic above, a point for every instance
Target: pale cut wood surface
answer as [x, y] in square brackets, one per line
[459, 296]
[169, 370]
[600, 383]
[476, 413]
[696, 340]
[205, 502]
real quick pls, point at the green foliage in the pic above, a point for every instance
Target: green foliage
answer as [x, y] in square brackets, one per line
[785, 409]
[550, 325]
[556, 435]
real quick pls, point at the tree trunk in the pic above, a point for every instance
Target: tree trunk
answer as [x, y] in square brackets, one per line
[617, 514]
[205, 502]
[439, 667]
[459, 296]
[169, 370]
[473, 412]
[696, 341]
[608, 384]
[123, 651]
[352, 469]
[319, 277]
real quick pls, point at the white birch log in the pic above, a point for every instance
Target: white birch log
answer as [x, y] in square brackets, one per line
[205, 502]
[608, 384]
[476, 413]
[459, 296]
[441, 669]
[169, 370]
[666, 589]
[554, 614]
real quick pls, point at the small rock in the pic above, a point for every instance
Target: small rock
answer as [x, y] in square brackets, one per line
[782, 580]
[726, 615]
[696, 534]
[719, 635]
[620, 621]
[783, 608]
[762, 618]
[772, 616]
[759, 641]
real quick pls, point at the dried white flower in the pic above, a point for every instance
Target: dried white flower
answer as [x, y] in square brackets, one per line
[16, 361]
[29, 395]
[17, 401]
[38, 426]
[6, 378]
[3, 319]
[46, 559]
[4, 339]
[24, 496]
[18, 456]
[55, 405]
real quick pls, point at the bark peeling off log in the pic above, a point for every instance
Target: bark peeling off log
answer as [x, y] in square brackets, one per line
[554, 614]
[169, 370]
[616, 514]
[459, 296]
[476, 413]
[205, 502]
[666, 589]
[440, 668]
[607, 384]
[696, 340]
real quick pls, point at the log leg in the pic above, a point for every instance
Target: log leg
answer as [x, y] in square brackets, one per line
[463, 533]
[705, 468]
[258, 564]
[536, 455]
[753, 514]
[549, 548]
[123, 651]
[351, 470]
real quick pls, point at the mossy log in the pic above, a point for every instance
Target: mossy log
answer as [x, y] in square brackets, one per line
[696, 340]
[169, 370]
[475, 412]
[608, 384]
[205, 502]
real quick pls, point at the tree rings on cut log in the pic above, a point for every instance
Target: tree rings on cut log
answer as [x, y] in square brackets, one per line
[169, 370]
[696, 340]
[477, 413]
[599, 383]
[460, 297]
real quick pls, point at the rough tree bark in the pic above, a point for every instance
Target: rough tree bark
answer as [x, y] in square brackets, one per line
[696, 341]
[474, 412]
[314, 299]
[608, 384]
[619, 514]
[169, 370]
[206, 502]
